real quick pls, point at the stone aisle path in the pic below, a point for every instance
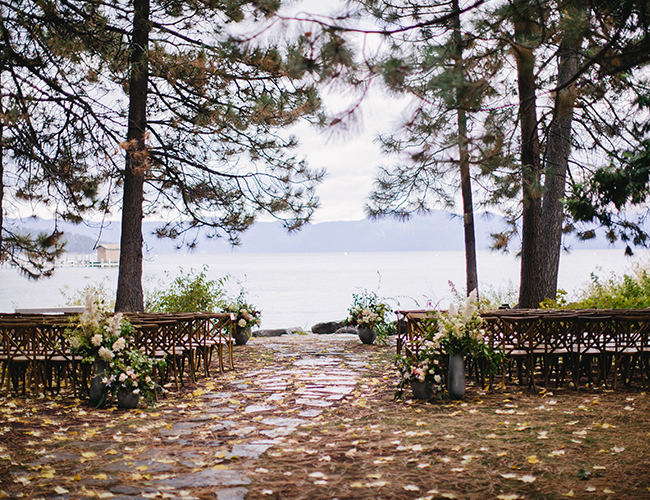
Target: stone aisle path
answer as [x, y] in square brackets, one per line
[202, 446]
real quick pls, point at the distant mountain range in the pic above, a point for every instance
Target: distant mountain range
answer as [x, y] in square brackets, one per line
[438, 231]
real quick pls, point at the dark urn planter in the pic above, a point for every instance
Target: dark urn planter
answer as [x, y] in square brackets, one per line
[241, 335]
[127, 399]
[456, 376]
[98, 390]
[422, 390]
[367, 335]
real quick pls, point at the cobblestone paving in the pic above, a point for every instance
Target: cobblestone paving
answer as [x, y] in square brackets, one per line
[201, 446]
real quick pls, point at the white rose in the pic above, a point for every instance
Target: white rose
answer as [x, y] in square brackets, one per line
[96, 339]
[105, 354]
[241, 323]
[437, 378]
[123, 377]
[119, 344]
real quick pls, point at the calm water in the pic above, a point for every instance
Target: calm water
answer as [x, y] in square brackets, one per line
[306, 288]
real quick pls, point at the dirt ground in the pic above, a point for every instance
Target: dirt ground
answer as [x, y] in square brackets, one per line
[560, 443]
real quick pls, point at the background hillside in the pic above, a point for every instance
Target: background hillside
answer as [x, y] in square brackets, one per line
[438, 231]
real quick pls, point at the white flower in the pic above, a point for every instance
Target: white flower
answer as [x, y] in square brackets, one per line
[105, 354]
[96, 339]
[241, 323]
[113, 325]
[123, 377]
[119, 344]
[437, 378]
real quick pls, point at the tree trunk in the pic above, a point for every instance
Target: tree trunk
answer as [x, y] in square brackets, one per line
[557, 156]
[530, 287]
[130, 297]
[471, 271]
[2, 175]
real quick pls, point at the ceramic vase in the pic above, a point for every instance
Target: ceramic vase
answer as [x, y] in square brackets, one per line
[422, 390]
[456, 376]
[98, 390]
[241, 335]
[367, 335]
[127, 399]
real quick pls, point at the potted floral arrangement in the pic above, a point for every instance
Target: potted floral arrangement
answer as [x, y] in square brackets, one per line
[243, 315]
[105, 342]
[130, 377]
[438, 356]
[424, 368]
[367, 312]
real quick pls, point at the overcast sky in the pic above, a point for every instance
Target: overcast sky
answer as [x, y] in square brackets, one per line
[351, 158]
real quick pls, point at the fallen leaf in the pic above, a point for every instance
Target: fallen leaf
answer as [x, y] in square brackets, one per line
[607, 491]
[411, 487]
[512, 496]
[532, 459]
[356, 484]
[60, 491]
[568, 493]
[509, 475]
[88, 454]
[527, 478]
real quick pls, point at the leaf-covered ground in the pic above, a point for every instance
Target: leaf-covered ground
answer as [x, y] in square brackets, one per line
[313, 417]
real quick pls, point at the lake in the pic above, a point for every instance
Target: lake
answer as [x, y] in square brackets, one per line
[301, 289]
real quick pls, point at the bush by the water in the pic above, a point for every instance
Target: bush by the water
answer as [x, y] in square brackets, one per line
[190, 292]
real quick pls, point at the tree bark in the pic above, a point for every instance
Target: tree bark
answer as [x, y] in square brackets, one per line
[130, 297]
[557, 157]
[471, 268]
[530, 288]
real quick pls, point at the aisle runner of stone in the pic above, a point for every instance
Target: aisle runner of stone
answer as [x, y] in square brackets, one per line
[218, 434]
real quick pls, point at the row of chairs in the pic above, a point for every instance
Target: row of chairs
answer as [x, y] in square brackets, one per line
[35, 354]
[592, 346]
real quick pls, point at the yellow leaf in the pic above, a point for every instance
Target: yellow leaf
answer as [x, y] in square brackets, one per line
[448, 495]
[77, 477]
[376, 484]
[111, 452]
[48, 474]
[411, 487]
[60, 491]
[100, 476]
[88, 454]
[512, 496]
[356, 484]
[502, 454]
[220, 467]
[607, 491]
[142, 468]
[532, 459]
[569, 494]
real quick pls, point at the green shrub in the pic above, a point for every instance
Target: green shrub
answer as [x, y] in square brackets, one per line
[191, 292]
[104, 296]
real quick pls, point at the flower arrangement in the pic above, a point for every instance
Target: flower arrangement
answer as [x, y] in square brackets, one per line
[426, 362]
[245, 314]
[459, 330]
[455, 331]
[97, 335]
[367, 310]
